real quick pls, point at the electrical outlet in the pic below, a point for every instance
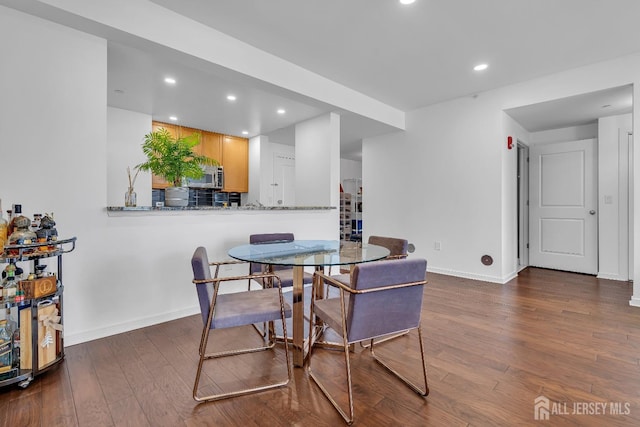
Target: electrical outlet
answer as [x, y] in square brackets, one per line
[436, 246]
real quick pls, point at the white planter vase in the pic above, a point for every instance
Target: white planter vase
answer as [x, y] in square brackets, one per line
[176, 196]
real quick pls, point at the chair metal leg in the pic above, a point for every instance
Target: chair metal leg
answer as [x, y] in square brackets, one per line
[205, 356]
[414, 387]
[386, 339]
[345, 347]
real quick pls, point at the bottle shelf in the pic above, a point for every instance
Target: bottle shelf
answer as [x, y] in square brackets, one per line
[31, 251]
[36, 316]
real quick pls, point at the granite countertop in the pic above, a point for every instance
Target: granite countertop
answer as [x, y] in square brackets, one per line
[212, 208]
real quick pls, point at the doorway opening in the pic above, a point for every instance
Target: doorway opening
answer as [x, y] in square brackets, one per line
[523, 205]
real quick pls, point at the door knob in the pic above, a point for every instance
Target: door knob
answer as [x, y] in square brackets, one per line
[592, 212]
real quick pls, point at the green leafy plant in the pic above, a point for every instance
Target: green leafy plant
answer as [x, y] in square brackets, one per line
[173, 158]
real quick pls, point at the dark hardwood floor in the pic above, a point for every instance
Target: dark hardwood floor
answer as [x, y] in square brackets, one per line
[491, 351]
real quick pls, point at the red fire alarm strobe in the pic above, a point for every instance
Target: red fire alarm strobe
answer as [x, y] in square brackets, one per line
[509, 142]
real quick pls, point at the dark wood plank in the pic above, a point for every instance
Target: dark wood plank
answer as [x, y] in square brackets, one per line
[89, 401]
[491, 350]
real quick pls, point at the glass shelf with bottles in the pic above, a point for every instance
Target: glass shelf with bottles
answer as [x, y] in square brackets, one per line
[31, 251]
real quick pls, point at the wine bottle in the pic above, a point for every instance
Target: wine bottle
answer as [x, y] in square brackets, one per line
[4, 230]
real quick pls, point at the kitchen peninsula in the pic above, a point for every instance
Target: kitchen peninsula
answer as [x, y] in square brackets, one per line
[139, 257]
[151, 209]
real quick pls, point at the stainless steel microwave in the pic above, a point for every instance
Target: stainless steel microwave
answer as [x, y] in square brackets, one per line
[213, 178]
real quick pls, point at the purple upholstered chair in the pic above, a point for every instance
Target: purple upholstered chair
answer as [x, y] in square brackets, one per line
[384, 298]
[285, 273]
[220, 310]
[397, 247]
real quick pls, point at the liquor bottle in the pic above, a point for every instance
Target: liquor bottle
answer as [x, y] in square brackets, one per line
[4, 230]
[16, 212]
[14, 330]
[6, 348]
[9, 285]
[35, 224]
[21, 234]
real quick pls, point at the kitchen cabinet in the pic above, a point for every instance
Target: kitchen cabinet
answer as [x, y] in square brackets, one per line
[38, 316]
[173, 129]
[211, 146]
[235, 160]
[232, 152]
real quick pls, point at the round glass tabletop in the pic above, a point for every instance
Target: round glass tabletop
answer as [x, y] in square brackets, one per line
[309, 253]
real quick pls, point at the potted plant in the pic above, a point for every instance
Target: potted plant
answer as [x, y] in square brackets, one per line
[173, 159]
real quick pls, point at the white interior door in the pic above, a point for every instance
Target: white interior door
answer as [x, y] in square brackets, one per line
[284, 174]
[563, 220]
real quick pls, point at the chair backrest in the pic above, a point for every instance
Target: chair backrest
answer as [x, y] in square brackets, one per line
[397, 247]
[384, 312]
[201, 271]
[269, 238]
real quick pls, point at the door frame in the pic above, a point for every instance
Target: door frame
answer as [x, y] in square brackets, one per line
[631, 225]
[522, 177]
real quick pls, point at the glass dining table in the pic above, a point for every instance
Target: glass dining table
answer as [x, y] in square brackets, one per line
[299, 254]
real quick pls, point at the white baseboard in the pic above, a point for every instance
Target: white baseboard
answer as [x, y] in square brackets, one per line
[465, 275]
[80, 337]
[634, 302]
[610, 276]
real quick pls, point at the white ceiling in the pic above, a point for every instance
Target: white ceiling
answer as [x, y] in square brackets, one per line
[412, 56]
[405, 56]
[574, 110]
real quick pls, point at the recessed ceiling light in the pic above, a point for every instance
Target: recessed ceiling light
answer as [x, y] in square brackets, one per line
[245, 132]
[281, 111]
[407, 1]
[173, 118]
[481, 67]
[170, 80]
[231, 97]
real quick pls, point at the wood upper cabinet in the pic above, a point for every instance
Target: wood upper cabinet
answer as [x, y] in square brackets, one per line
[173, 129]
[235, 159]
[185, 131]
[211, 146]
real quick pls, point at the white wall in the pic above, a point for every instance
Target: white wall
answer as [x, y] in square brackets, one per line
[53, 111]
[613, 197]
[571, 133]
[125, 134]
[350, 169]
[452, 160]
[129, 270]
[317, 150]
[442, 182]
[256, 167]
